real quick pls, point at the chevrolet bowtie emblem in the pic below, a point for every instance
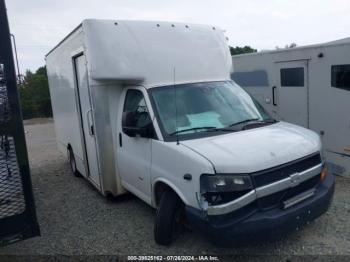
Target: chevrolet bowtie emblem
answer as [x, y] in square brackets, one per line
[295, 179]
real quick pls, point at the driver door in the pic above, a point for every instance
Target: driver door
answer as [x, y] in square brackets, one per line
[134, 151]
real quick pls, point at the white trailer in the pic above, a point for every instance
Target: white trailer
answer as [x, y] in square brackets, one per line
[308, 86]
[139, 107]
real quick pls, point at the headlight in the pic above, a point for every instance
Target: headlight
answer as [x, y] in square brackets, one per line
[225, 183]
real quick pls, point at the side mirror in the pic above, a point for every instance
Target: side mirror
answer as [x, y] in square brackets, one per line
[2, 74]
[130, 125]
[141, 131]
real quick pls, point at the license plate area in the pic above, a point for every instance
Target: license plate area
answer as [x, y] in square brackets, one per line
[298, 198]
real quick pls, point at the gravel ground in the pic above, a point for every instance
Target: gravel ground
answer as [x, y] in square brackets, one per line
[76, 220]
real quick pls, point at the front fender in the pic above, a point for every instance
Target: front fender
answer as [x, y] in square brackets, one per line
[169, 184]
[170, 162]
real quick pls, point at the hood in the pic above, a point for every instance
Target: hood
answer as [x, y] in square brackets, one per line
[256, 149]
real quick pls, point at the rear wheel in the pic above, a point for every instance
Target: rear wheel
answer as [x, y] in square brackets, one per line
[72, 163]
[169, 218]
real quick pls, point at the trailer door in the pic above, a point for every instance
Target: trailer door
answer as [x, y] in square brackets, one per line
[290, 92]
[87, 121]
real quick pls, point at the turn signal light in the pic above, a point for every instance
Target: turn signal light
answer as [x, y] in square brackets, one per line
[323, 173]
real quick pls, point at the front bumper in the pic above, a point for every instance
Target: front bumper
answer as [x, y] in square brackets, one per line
[251, 224]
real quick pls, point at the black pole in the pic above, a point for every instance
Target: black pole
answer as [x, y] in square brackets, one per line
[15, 48]
[21, 222]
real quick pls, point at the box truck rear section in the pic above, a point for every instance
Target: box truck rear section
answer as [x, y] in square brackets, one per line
[82, 115]
[308, 86]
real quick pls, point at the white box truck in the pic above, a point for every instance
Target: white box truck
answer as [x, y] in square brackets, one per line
[149, 108]
[308, 86]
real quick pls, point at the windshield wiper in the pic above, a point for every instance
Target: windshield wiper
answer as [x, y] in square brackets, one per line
[206, 128]
[256, 121]
[270, 120]
[224, 129]
[244, 121]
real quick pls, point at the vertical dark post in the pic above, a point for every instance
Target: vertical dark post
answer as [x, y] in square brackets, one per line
[17, 210]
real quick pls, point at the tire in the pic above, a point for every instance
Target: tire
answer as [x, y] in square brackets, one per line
[168, 224]
[72, 163]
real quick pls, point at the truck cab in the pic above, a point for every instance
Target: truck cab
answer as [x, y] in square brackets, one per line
[149, 114]
[226, 165]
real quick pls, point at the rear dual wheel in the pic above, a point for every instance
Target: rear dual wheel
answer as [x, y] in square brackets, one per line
[72, 163]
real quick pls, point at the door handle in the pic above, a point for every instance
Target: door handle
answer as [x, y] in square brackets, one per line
[273, 96]
[90, 126]
[120, 140]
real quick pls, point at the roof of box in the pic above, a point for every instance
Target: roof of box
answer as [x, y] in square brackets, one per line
[342, 41]
[155, 53]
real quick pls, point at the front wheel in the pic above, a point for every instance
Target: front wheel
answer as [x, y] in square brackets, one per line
[168, 218]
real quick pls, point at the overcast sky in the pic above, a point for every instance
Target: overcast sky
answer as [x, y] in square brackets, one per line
[263, 24]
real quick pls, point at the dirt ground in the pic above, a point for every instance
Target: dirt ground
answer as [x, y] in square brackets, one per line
[75, 219]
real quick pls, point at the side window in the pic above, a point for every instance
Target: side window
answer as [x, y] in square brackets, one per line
[292, 76]
[340, 76]
[251, 78]
[135, 112]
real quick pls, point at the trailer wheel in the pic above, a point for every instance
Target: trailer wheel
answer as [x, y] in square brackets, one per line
[168, 222]
[72, 163]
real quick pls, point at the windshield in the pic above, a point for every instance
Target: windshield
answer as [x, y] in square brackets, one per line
[201, 107]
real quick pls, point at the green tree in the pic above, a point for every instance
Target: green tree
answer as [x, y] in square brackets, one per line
[242, 50]
[34, 94]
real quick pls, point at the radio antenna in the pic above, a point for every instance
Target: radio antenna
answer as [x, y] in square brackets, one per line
[175, 98]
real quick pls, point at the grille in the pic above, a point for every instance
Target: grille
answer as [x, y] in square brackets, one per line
[4, 106]
[276, 199]
[11, 192]
[306, 185]
[269, 176]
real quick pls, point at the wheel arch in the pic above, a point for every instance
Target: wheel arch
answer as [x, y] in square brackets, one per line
[160, 185]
